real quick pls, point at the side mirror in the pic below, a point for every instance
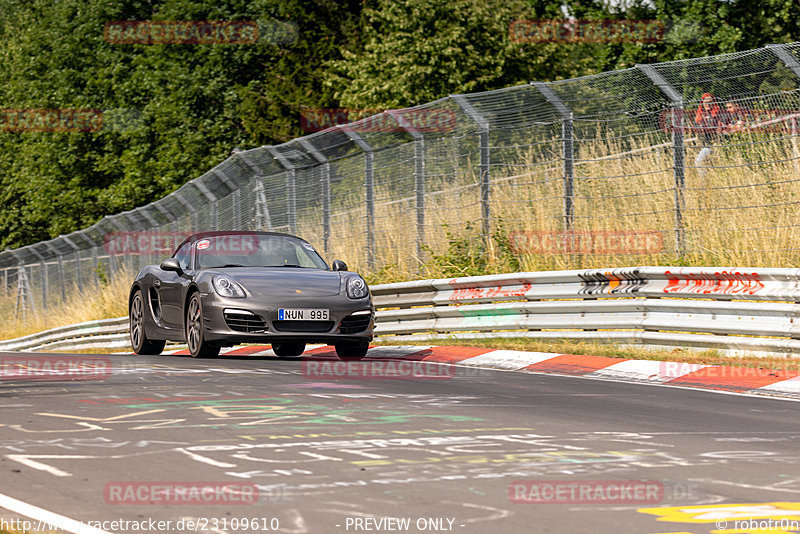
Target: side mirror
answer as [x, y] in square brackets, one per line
[339, 265]
[171, 264]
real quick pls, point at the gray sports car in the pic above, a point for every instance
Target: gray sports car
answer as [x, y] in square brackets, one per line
[221, 289]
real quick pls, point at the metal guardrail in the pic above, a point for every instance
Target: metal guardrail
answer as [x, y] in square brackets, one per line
[732, 309]
[105, 333]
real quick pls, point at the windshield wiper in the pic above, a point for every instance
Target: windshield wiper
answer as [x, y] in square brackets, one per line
[227, 265]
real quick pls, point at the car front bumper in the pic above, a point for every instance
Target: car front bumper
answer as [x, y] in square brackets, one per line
[233, 321]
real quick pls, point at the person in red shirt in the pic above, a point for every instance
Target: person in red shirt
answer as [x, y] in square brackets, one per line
[709, 124]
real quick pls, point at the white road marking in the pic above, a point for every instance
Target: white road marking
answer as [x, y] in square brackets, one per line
[47, 518]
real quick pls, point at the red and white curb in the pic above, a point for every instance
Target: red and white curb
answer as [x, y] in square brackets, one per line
[785, 383]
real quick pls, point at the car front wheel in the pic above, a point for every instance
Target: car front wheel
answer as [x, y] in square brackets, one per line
[351, 350]
[195, 336]
[139, 342]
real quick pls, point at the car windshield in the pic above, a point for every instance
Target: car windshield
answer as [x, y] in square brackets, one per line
[253, 250]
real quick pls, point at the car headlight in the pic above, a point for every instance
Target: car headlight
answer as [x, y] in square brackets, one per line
[225, 286]
[357, 288]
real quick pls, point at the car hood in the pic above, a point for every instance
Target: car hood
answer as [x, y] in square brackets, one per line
[286, 281]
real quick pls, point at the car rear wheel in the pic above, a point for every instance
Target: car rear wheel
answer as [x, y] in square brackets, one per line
[352, 350]
[195, 337]
[286, 349]
[139, 342]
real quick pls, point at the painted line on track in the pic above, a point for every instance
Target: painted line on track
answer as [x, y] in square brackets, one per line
[47, 520]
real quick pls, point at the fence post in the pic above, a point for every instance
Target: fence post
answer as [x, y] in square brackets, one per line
[485, 158]
[256, 176]
[43, 274]
[326, 190]
[779, 50]
[261, 219]
[60, 263]
[678, 150]
[236, 194]
[369, 184]
[90, 245]
[291, 187]
[77, 250]
[419, 176]
[567, 152]
[787, 58]
[212, 199]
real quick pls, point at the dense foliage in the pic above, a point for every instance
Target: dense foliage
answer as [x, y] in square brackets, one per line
[172, 111]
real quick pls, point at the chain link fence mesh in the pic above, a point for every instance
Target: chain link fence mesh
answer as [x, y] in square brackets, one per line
[599, 171]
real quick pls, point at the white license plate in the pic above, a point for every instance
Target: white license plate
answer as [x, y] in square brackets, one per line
[292, 314]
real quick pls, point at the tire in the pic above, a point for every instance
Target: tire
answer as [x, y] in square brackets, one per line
[139, 342]
[195, 334]
[351, 350]
[288, 349]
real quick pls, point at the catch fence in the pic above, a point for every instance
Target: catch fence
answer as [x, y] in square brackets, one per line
[600, 171]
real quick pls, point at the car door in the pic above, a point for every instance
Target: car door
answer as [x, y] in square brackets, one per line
[172, 288]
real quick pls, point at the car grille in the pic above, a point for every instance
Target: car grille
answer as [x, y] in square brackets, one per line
[244, 322]
[302, 326]
[354, 323]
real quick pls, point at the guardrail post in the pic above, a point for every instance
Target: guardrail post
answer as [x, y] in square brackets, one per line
[291, 187]
[325, 182]
[678, 150]
[485, 158]
[567, 152]
[369, 185]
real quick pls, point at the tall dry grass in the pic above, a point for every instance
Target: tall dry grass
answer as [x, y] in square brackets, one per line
[103, 302]
[739, 209]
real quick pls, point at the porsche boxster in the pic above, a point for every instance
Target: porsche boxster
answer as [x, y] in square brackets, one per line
[221, 289]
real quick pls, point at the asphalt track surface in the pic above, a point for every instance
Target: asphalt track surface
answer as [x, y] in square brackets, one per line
[447, 450]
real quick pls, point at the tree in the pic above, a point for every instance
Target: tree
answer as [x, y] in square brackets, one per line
[415, 51]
